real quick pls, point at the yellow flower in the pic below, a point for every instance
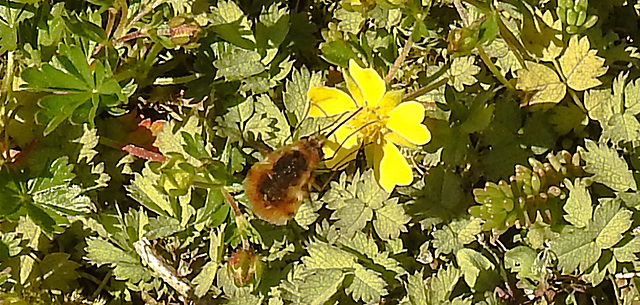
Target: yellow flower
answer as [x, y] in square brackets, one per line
[381, 125]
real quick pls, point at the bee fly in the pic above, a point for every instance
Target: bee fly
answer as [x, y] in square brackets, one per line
[277, 185]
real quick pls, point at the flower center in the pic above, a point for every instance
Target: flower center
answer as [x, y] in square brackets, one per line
[370, 122]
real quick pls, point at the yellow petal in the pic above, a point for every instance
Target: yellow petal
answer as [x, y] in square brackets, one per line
[389, 101]
[406, 120]
[354, 90]
[371, 85]
[391, 167]
[327, 101]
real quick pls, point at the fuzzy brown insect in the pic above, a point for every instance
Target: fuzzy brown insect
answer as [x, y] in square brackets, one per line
[277, 185]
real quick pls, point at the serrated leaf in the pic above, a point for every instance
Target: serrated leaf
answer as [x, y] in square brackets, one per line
[64, 200]
[456, 234]
[575, 248]
[244, 297]
[126, 266]
[142, 190]
[599, 104]
[442, 284]
[89, 141]
[369, 191]
[236, 64]
[305, 215]
[366, 286]
[78, 90]
[169, 140]
[325, 256]
[462, 72]
[578, 205]
[542, 83]
[611, 222]
[580, 65]
[632, 97]
[416, 289]
[58, 272]
[230, 22]
[608, 167]
[318, 287]
[622, 127]
[627, 252]
[268, 122]
[295, 96]
[521, 260]
[352, 217]
[367, 245]
[583, 247]
[472, 263]
[161, 227]
[390, 220]
[565, 118]
[606, 264]
[203, 281]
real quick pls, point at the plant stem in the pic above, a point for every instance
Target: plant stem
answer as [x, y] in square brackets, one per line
[399, 60]
[425, 89]
[496, 72]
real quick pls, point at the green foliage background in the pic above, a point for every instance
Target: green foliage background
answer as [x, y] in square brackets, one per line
[125, 124]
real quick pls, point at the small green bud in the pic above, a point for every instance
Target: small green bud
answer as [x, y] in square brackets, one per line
[581, 5]
[572, 29]
[591, 21]
[572, 17]
[582, 17]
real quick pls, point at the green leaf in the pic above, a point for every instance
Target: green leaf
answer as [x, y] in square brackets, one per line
[611, 222]
[582, 247]
[453, 236]
[442, 284]
[632, 97]
[600, 105]
[325, 256]
[126, 266]
[236, 64]
[143, 190]
[169, 140]
[367, 245]
[338, 52]
[272, 27]
[521, 260]
[244, 297]
[608, 168]
[462, 72]
[268, 122]
[58, 272]
[622, 128]
[295, 96]
[472, 263]
[541, 83]
[369, 191]
[580, 65]
[318, 287]
[627, 252]
[366, 286]
[416, 289]
[352, 217]
[89, 141]
[578, 205]
[606, 264]
[230, 23]
[390, 220]
[78, 90]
